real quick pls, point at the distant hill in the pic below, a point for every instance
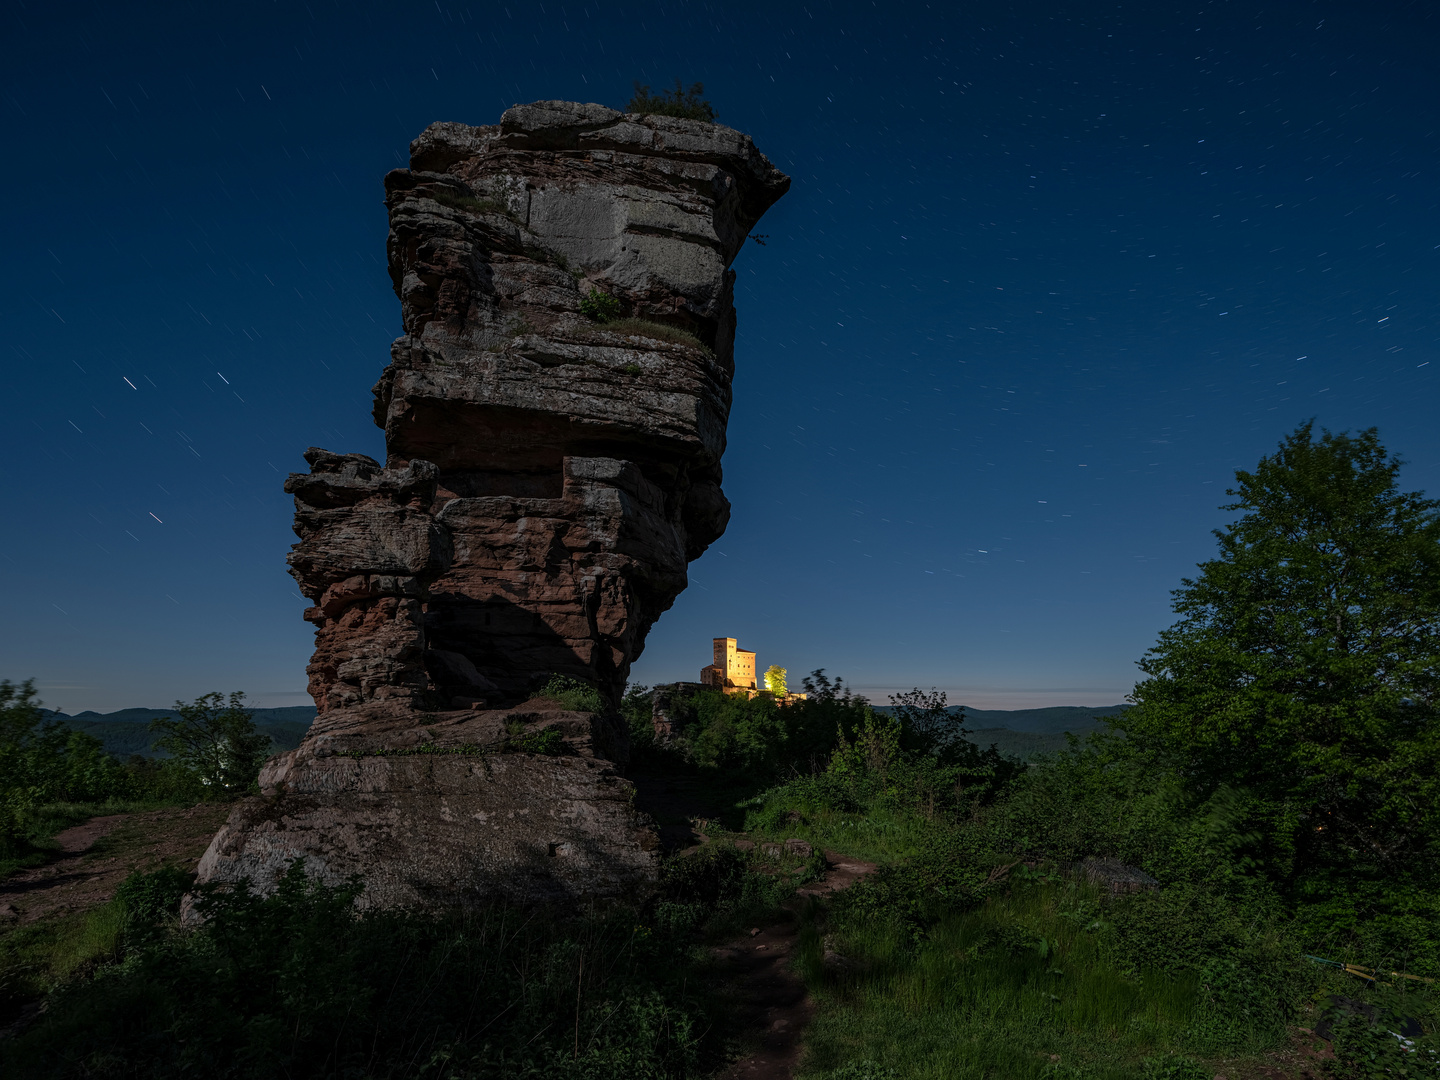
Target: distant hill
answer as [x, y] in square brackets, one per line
[1022, 733]
[126, 731]
[1078, 719]
[1027, 733]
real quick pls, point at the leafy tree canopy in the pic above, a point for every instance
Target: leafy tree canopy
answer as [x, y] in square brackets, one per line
[1304, 666]
[686, 104]
[216, 740]
[42, 760]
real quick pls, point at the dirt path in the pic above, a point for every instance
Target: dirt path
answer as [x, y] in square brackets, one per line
[759, 967]
[83, 837]
[101, 853]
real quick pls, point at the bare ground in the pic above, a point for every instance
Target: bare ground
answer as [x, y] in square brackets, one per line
[760, 969]
[101, 853]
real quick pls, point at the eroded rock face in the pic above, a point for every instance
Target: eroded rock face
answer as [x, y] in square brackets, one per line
[548, 479]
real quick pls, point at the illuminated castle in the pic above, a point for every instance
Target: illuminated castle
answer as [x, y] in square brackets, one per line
[734, 672]
[733, 669]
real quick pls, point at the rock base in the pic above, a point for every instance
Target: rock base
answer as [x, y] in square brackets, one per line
[458, 822]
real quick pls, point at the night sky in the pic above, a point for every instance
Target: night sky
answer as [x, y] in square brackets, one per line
[1043, 281]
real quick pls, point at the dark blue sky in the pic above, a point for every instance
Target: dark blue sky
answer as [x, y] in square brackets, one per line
[1044, 280]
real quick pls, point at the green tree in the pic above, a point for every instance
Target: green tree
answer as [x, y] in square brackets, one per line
[42, 760]
[216, 740]
[686, 104]
[872, 752]
[1304, 666]
[775, 680]
[20, 723]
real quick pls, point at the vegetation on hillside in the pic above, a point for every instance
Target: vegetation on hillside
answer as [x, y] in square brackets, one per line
[1145, 904]
[1303, 682]
[52, 776]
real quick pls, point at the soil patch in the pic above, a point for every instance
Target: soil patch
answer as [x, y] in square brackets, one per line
[102, 852]
[759, 967]
[83, 837]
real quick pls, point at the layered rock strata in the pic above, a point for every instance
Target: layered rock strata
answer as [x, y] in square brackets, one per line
[554, 419]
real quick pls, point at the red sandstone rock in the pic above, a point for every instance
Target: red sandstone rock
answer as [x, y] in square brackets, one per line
[548, 479]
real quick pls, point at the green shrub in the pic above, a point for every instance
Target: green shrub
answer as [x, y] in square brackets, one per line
[637, 707]
[757, 739]
[301, 983]
[150, 900]
[600, 307]
[572, 693]
[686, 104]
[1368, 1042]
[549, 742]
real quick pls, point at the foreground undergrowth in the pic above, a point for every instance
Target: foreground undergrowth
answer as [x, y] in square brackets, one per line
[300, 984]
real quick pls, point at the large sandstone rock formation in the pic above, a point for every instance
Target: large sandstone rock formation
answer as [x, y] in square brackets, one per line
[548, 477]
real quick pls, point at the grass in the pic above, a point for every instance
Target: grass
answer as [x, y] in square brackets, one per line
[50, 819]
[1022, 986]
[23, 860]
[879, 835]
[41, 956]
[469, 203]
[572, 694]
[659, 331]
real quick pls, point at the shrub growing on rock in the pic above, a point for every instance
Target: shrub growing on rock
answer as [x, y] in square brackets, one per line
[686, 104]
[599, 306]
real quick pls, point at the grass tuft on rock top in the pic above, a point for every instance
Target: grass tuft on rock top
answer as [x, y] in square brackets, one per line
[469, 203]
[572, 693]
[631, 327]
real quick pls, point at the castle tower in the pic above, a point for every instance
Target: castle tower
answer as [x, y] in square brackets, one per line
[733, 669]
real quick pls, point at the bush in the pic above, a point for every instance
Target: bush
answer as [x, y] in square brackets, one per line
[1393, 1035]
[757, 739]
[638, 709]
[600, 307]
[686, 104]
[300, 983]
[572, 693]
[150, 900]
[43, 761]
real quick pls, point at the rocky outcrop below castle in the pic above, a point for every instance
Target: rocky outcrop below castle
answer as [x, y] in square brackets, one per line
[554, 420]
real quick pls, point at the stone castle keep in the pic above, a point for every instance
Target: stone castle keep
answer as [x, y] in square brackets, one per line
[733, 667]
[548, 477]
